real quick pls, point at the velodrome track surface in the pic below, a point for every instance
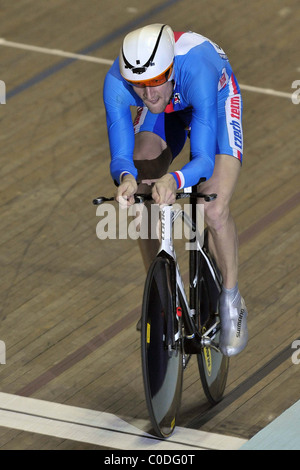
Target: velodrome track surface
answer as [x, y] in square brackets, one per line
[69, 301]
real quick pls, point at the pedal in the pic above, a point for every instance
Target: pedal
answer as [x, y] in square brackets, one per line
[207, 342]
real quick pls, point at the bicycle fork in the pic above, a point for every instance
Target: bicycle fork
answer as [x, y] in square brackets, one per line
[173, 337]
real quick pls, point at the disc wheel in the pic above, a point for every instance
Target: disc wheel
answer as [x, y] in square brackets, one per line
[161, 347]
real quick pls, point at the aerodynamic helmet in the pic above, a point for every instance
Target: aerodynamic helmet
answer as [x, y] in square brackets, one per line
[147, 55]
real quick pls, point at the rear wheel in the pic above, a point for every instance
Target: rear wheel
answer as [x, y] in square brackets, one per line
[213, 365]
[161, 346]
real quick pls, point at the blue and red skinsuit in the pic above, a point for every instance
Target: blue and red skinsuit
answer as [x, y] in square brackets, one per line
[205, 87]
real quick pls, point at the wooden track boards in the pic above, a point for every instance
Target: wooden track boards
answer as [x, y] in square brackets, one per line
[70, 302]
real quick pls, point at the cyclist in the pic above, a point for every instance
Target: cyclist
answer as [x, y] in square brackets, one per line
[182, 84]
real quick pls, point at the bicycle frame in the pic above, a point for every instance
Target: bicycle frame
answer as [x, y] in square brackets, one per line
[168, 217]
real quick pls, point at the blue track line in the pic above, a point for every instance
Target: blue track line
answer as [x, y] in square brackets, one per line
[91, 48]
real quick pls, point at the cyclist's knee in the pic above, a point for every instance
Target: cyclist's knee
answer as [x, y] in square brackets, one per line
[216, 214]
[154, 168]
[148, 146]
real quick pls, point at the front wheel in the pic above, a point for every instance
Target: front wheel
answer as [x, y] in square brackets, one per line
[161, 346]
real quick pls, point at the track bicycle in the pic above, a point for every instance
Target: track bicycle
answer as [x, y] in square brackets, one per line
[174, 326]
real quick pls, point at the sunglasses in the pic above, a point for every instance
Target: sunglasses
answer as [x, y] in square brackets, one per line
[156, 81]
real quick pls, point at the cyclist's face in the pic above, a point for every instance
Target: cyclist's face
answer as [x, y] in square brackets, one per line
[156, 98]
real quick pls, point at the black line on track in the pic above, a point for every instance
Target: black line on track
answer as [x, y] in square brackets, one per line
[102, 428]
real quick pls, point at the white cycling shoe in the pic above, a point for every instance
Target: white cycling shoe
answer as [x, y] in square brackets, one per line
[233, 318]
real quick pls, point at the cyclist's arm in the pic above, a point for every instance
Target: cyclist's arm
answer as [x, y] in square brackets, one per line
[118, 97]
[202, 89]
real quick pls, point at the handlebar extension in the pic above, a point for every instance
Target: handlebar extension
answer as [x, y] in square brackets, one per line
[139, 198]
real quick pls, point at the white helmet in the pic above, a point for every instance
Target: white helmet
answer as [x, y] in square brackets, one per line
[147, 55]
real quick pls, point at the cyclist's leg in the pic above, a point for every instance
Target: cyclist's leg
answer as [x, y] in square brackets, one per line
[223, 239]
[223, 243]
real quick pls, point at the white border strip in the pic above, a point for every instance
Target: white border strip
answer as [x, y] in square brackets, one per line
[98, 60]
[100, 428]
[56, 52]
[266, 91]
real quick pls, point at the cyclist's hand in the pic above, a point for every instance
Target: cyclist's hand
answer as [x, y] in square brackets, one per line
[126, 191]
[164, 190]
